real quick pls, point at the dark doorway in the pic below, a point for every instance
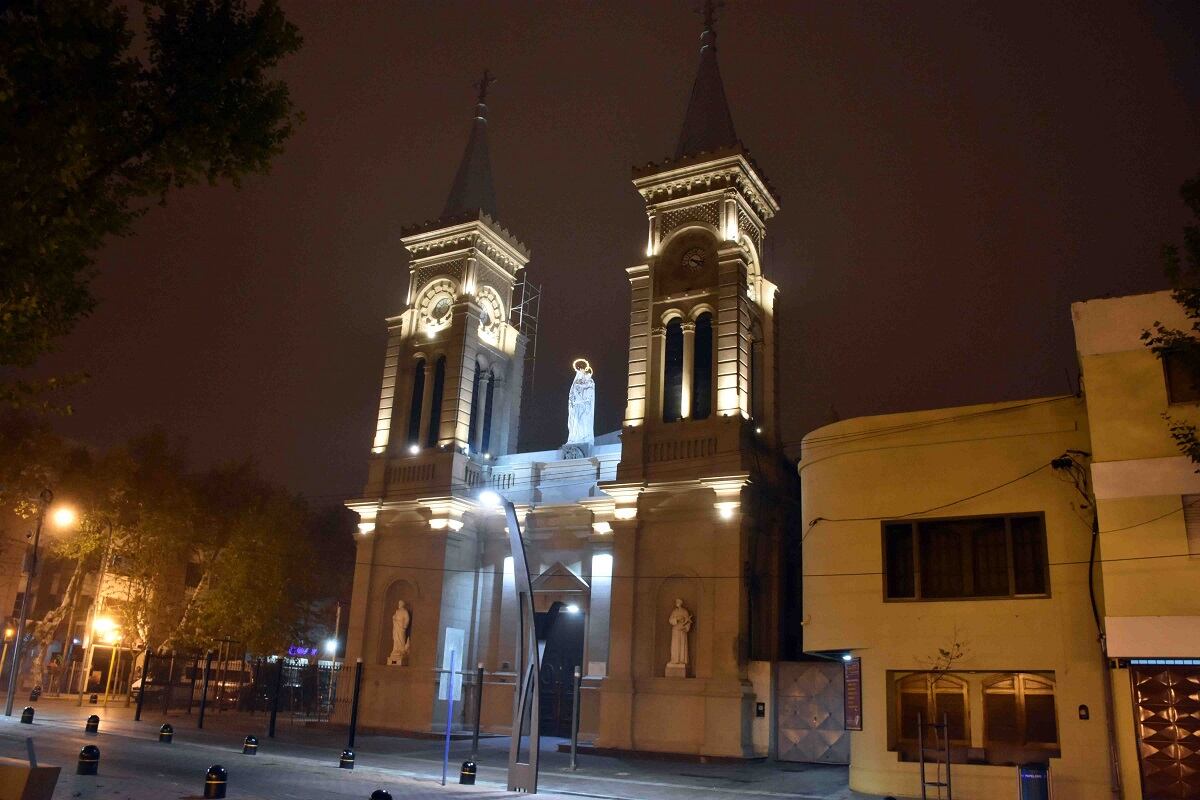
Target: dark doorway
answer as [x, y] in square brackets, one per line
[560, 630]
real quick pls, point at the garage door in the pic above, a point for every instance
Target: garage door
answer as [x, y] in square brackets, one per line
[810, 714]
[1168, 706]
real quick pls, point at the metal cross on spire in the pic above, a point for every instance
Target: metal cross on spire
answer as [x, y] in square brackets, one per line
[483, 84]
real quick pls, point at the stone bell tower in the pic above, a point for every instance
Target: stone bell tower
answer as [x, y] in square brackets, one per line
[704, 508]
[448, 409]
[453, 370]
[702, 353]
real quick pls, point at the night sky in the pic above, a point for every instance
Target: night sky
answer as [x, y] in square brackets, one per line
[952, 174]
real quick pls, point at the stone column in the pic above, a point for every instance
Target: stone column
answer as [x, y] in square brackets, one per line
[639, 352]
[599, 605]
[658, 346]
[616, 692]
[689, 358]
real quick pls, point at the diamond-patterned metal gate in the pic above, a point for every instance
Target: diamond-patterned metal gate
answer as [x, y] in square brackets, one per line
[810, 715]
[1168, 726]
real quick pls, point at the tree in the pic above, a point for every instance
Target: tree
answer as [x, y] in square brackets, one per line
[95, 124]
[1182, 267]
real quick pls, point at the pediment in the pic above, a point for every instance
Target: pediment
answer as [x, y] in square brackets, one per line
[558, 578]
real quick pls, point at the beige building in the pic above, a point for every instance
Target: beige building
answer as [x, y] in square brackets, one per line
[950, 550]
[1148, 499]
[690, 505]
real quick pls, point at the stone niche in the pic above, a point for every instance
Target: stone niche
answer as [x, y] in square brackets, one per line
[687, 589]
[398, 590]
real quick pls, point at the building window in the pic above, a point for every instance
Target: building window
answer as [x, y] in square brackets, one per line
[1191, 523]
[490, 385]
[1019, 719]
[414, 407]
[673, 371]
[435, 406]
[473, 425]
[1183, 377]
[928, 698]
[702, 368]
[952, 559]
[757, 377]
[1019, 716]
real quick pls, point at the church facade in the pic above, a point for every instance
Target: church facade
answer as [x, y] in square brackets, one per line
[664, 556]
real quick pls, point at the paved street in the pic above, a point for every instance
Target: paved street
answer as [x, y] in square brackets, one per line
[301, 762]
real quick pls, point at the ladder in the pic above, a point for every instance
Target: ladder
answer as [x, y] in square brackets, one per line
[941, 752]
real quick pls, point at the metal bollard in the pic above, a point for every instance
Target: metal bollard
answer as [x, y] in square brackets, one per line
[93, 699]
[250, 746]
[27, 715]
[466, 775]
[381, 794]
[35, 693]
[89, 760]
[166, 733]
[347, 760]
[93, 724]
[214, 781]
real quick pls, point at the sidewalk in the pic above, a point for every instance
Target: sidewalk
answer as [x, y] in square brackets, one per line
[419, 761]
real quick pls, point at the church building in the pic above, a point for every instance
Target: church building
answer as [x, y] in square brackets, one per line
[664, 556]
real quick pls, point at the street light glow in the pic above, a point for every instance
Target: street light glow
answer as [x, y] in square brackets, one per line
[331, 646]
[489, 498]
[572, 609]
[63, 517]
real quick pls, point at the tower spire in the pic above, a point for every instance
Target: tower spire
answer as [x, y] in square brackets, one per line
[707, 125]
[472, 189]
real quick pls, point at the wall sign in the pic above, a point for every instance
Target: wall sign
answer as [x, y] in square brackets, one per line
[852, 702]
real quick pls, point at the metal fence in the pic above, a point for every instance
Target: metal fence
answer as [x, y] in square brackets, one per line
[305, 688]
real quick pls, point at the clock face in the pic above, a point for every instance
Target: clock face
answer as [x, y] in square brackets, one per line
[693, 260]
[440, 309]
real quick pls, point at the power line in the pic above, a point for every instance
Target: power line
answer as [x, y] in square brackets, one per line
[835, 438]
[1022, 477]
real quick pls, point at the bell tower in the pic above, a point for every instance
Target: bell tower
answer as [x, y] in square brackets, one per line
[702, 356]
[453, 369]
[703, 512]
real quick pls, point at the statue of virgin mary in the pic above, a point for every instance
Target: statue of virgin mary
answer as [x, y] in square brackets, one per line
[581, 405]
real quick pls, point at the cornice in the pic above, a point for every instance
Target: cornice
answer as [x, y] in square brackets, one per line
[727, 168]
[478, 231]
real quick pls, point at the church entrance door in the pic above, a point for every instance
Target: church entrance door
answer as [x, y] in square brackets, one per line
[561, 633]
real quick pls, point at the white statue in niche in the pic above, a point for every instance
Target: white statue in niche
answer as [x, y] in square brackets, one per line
[581, 412]
[681, 624]
[401, 619]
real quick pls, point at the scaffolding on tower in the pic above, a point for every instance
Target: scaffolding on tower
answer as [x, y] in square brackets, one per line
[524, 318]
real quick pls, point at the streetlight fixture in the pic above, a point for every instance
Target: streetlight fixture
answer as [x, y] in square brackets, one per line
[63, 517]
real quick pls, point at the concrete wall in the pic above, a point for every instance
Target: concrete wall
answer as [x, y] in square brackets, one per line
[858, 472]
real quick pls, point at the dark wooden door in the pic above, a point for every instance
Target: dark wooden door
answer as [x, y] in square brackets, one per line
[563, 632]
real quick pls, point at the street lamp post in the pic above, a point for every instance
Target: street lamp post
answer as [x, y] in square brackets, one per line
[89, 626]
[46, 497]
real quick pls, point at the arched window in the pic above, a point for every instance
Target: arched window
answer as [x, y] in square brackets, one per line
[673, 371]
[414, 413]
[932, 695]
[1018, 711]
[702, 368]
[473, 426]
[485, 445]
[435, 408]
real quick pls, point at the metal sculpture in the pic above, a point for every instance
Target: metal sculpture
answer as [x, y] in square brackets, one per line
[522, 775]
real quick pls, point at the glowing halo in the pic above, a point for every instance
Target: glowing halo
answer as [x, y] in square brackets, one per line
[586, 367]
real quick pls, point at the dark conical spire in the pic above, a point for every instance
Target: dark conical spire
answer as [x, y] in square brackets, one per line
[708, 124]
[472, 189]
